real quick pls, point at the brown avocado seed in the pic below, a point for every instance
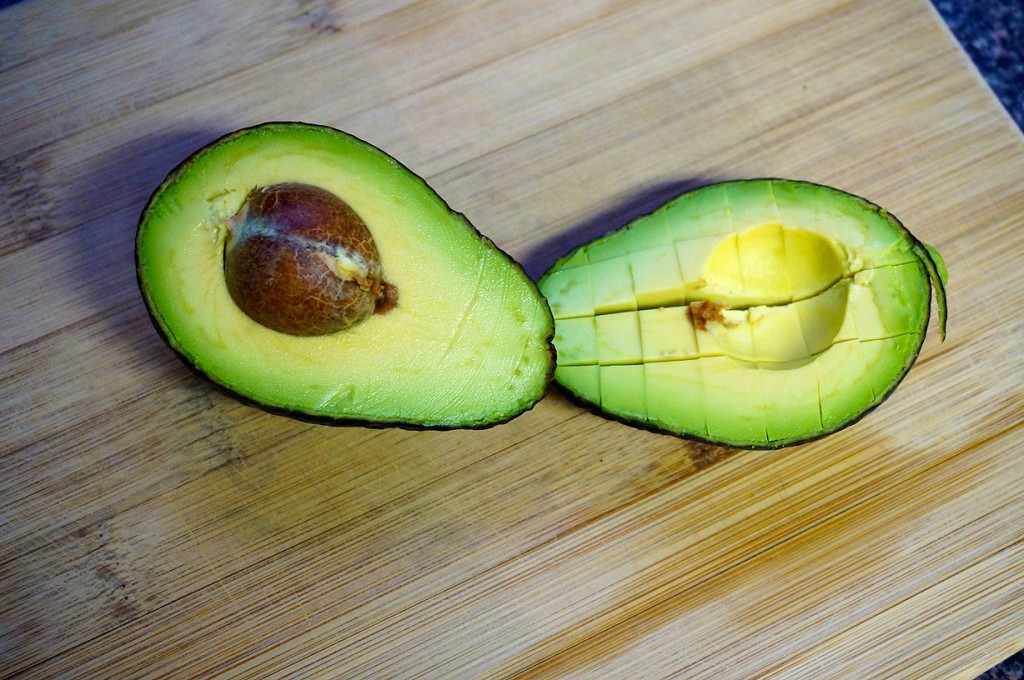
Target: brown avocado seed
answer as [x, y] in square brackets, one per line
[299, 260]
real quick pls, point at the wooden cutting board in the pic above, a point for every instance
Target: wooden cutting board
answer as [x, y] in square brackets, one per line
[152, 527]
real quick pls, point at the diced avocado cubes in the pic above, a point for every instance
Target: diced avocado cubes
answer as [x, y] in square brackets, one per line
[756, 313]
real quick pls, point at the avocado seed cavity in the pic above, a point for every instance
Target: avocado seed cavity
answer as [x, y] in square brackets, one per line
[299, 260]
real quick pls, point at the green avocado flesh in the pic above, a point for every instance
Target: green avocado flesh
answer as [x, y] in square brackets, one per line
[467, 345]
[755, 313]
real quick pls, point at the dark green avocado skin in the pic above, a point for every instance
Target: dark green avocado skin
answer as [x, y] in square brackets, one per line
[339, 422]
[211, 381]
[335, 422]
[771, 446]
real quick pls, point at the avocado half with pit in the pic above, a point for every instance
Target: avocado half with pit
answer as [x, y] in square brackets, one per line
[754, 314]
[308, 272]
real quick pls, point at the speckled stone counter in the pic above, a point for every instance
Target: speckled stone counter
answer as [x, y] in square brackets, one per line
[992, 33]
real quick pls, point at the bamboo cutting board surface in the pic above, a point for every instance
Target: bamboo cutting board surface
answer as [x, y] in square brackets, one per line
[152, 527]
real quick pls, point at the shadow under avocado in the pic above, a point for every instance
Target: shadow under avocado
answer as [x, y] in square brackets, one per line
[133, 169]
[645, 201]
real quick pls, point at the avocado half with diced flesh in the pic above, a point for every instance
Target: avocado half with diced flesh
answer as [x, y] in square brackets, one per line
[754, 314]
[308, 272]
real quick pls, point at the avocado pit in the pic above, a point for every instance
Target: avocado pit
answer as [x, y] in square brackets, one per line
[254, 220]
[299, 260]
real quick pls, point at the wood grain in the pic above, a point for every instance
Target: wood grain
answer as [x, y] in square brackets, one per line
[150, 527]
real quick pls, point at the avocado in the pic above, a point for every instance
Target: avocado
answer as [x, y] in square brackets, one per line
[307, 272]
[753, 313]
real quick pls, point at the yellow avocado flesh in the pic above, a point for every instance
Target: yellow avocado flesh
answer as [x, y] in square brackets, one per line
[466, 345]
[756, 313]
